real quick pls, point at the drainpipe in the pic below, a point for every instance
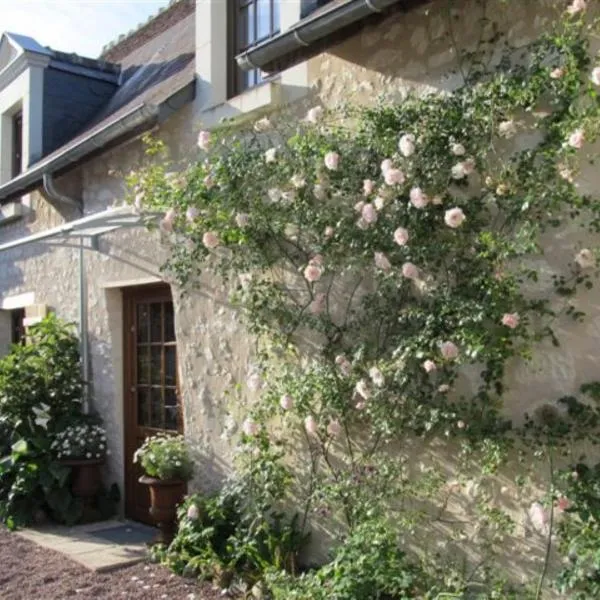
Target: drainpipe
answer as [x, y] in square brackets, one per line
[310, 30]
[54, 195]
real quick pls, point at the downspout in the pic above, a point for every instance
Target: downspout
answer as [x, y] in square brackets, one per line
[54, 195]
[309, 31]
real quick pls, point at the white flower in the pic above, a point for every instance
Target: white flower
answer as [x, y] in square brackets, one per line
[429, 366]
[376, 377]
[410, 271]
[577, 6]
[274, 195]
[319, 192]
[407, 145]
[386, 165]
[401, 236]
[193, 513]
[315, 114]
[458, 150]
[418, 198]
[332, 160]
[379, 203]
[204, 140]
[298, 181]
[270, 155]
[382, 262]
[362, 389]
[585, 259]
[250, 427]
[595, 76]
[577, 139]
[507, 129]
[286, 402]
[393, 177]
[311, 425]
[262, 125]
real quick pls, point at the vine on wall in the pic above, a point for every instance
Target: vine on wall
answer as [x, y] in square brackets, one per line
[378, 252]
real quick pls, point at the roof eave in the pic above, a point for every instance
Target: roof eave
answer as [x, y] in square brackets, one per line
[141, 118]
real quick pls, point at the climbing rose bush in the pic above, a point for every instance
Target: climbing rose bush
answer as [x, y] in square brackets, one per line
[376, 252]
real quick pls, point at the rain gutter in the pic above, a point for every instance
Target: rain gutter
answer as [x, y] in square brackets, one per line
[308, 32]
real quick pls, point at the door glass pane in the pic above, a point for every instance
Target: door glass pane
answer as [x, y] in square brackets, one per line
[156, 418]
[171, 418]
[143, 407]
[169, 323]
[170, 397]
[170, 366]
[156, 366]
[156, 322]
[142, 323]
[143, 365]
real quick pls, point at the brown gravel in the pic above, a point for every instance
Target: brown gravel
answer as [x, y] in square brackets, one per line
[28, 572]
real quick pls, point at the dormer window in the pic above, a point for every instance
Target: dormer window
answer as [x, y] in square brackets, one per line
[17, 143]
[251, 22]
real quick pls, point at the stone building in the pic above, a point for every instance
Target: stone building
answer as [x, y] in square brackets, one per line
[70, 132]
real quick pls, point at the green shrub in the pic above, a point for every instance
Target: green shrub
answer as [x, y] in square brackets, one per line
[165, 457]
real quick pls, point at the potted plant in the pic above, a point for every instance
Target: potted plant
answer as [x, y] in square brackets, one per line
[168, 466]
[83, 447]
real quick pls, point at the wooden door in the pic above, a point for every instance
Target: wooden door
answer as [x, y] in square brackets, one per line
[152, 403]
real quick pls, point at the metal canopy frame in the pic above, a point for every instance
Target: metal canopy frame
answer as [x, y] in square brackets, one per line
[76, 234]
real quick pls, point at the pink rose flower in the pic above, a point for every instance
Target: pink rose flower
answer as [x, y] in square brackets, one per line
[360, 405]
[461, 424]
[191, 214]
[407, 145]
[401, 236]
[271, 155]
[204, 140]
[344, 365]
[334, 428]
[557, 73]
[449, 350]
[368, 187]
[469, 165]
[458, 171]
[410, 271]
[332, 161]
[444, 388]
[511, 320]
[362, 224]
[192, 512]
[319, 192]
[312, 273]
[563, 503]
[362, 389]
[386, 165]
[376, 377]
[250, 427]
[458, 150]
[418, 198]
[429, 366]
[595, 76]
[585, 259]
[329, 231]
[242, 219]
[368, 213]
[577, 6]
[359, 205]
[168, 220]
[382, 262]
[507, 129]
[317, 259]
[577, 139]
[314, 114]
[286, 402]
[311, 426]
[379, 203]
[393, 177]
[210, 240]
[454, 217]
[317, 306]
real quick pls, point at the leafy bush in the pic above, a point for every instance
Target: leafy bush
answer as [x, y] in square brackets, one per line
[369, 564]
[165, 457]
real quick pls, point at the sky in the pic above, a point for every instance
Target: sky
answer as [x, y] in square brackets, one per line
[80, 26]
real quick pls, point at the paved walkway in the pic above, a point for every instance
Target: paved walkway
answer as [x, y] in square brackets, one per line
[97, 546]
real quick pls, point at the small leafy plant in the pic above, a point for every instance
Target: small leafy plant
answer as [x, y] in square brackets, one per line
[165, 457]
[82, 441]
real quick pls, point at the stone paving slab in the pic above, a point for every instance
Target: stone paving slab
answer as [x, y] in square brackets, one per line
[95, 553]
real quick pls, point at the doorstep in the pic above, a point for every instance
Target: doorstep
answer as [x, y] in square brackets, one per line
[99, 547]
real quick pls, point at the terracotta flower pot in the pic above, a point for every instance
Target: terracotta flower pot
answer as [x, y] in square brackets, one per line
[165, 495]
[87, 477]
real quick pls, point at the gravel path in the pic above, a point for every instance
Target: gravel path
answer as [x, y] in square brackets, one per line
[29, 572]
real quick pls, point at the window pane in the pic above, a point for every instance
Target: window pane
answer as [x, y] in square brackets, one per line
[250, 30]
[156, 366]
[171, 397]
[169, 323]
[143, 365]
[156, 322]
[170, 365]
[157, 416]
[276, 21]
[143, 406]
[142, 323]
[171, 417]
[263, 18]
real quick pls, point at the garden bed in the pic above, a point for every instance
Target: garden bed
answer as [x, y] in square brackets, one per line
[29, 571]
